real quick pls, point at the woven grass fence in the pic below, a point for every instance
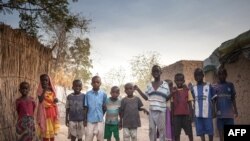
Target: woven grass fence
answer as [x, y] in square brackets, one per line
[22, 58]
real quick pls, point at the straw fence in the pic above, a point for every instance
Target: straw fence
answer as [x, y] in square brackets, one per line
[22, 58]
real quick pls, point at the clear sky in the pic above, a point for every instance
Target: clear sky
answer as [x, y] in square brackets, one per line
[176, 29]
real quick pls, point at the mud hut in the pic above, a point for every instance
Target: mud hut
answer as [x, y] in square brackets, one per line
[234, 54]
[22, 58]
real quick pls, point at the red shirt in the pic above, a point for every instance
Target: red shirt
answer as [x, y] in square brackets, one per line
[180, 99]
[25, 107]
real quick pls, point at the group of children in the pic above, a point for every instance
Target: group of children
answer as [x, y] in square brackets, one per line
[170, 109]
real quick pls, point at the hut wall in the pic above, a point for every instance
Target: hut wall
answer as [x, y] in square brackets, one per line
[238, 73]
[186, 67]
[22, 58]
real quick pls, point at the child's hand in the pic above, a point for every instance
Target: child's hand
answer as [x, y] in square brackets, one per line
[55, 100]
[67, 122]
[85, 123]
[120, 126]
[236, 114]
[136, 87]
[145, 111]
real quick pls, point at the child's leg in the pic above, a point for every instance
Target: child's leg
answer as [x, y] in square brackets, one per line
[187, 126]
[126, 134]
[202, 137]
[152, 126]
[107, 132]
[100, 132]
[133, 134]
[116, 132]
[177, 125]
[211, 137]
[72, 138]
[90, 132]
[161, 125]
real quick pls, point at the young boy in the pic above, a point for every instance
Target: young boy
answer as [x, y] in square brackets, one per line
[225, 102]
[111, 121]
[95, 104]
[182, 108]
[130, 118]
[157, 94]
[74, 112]
[25, 107]
[203, 93]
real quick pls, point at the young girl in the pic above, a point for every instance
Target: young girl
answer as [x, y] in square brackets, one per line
[25, 107]
[47, 113]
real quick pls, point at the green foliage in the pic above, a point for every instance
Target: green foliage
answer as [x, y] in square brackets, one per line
[34, 13]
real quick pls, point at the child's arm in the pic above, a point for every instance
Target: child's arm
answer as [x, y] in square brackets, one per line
[140, 92]
[144, 110]
[235, 108]
[41, 97]
[85, 112]
[190, 110]
[120, 116]
[67, 117]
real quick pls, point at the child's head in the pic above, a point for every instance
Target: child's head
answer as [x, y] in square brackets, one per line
[96, 83]
[45, 81]
[170, 83]
[24, 88]
[222, 74]
[156, 71]
[198, 75]
[129, 89]
[77, 86]
[115, 92]
[179, 80]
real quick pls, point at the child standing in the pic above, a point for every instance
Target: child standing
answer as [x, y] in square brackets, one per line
[203, 94]
[95, 103]
[130, 118]
[157, 94]
[111, 121]
[47, 112]
[182, 108]
[74, 112]
[25, 107]
[225, 102]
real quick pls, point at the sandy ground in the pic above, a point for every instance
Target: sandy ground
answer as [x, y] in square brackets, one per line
[142, 132]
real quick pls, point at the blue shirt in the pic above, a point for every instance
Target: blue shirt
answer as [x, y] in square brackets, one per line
[225, 93]
[75, 103]
[203, 100]
[94, 101]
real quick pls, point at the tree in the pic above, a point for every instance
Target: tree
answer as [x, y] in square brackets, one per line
[34, 12]
[116, 76]
[141, 66]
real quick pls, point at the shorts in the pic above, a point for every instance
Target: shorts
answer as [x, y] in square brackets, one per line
[184, 122]
[76, 129]
[204, 126]
[109, 129]
[224, 121]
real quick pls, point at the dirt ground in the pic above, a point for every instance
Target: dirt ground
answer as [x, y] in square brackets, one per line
[142, 132]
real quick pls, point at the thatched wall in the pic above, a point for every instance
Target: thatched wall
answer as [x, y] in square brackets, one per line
[22, 58]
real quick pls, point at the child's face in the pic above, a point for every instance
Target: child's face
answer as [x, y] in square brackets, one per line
[198, 76]
[77, 87]
[96, 83]
[156, 72]
[179, 81]
[129, 89]
[24, 89]
[222, 76]
[45, 82]
[115, 92]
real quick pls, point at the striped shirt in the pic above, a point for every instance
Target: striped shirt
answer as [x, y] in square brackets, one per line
[112, 111]
[157, 98]
[202, 100]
